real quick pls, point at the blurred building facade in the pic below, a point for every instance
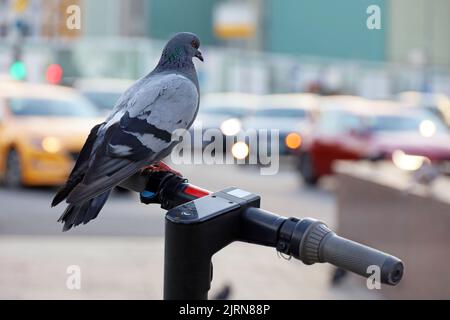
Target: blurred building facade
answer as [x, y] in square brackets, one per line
[419, 28]
[320, 28]
[109, 18]
[252, 45]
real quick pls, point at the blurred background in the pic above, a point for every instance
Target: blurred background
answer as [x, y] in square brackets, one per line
[358, 89]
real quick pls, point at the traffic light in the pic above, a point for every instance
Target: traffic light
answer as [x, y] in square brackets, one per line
[17, 70]
[54, 74]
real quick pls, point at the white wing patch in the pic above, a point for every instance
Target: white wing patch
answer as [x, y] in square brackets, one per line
[150, 141]
[121, 150]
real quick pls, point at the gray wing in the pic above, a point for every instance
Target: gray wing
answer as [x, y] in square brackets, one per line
[139, 134]
[122, 102]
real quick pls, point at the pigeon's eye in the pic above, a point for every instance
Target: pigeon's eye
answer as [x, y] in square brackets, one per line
[195, 44]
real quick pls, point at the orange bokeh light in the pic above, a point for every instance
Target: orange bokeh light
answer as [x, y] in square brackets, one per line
[293, 140]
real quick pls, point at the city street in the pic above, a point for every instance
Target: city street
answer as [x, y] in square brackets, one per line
[28, 211]
[121, 252]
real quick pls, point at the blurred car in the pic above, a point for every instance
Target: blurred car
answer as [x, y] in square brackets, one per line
[103, 92]
[289, 114]
[42, 130]
[373, 130]
[223, 111]
[438, 103]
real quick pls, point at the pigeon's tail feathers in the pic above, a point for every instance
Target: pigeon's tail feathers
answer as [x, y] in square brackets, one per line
[76, 214]
[66, 188]
[104, 182]
[78, 171]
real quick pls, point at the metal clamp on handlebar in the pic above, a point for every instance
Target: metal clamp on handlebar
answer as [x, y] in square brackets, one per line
[164, 188]
[159, 188]
[301, 238]
[284, 239]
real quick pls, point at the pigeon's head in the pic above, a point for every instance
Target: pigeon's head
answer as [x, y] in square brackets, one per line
[183, 45]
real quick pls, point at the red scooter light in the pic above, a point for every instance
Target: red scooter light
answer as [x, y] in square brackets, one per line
[196, 191]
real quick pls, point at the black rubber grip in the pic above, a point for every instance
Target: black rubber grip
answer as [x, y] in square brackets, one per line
[357, 258]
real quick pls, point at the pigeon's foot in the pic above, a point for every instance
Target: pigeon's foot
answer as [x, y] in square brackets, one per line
[161, 166]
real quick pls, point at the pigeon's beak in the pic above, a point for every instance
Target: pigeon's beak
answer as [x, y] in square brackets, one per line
[199, 55]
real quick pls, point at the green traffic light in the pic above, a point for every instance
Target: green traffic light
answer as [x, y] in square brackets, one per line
[18, 70]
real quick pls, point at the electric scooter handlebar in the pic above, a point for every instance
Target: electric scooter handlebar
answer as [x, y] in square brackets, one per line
[308, 240]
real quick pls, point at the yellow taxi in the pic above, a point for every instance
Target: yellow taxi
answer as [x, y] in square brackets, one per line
[42, 130]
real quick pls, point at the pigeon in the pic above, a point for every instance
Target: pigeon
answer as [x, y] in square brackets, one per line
[137, 133]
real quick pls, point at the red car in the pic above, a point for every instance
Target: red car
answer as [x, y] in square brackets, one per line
[372, 130]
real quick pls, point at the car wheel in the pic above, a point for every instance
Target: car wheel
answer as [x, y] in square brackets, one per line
[13, 172]
[306, 168]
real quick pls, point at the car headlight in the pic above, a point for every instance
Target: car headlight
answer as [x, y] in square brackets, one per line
[427, 128]
[407, 162]
[240, 150]
[231, 127]
[51, 144]
[293, 140]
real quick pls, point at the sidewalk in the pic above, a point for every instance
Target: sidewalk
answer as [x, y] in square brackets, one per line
[132, 268]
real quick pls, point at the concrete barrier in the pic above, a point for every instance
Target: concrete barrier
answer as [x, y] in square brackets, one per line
[378, 206]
